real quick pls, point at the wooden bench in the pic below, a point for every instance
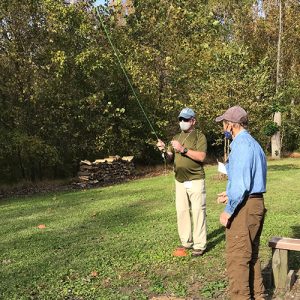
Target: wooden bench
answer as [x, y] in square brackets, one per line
[283, 278]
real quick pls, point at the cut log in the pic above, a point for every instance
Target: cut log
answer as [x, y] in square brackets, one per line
[110, 169]
[84, 178]
[127, 158]
[86, 162]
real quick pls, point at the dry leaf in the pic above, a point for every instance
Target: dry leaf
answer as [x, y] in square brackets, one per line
[94, 273]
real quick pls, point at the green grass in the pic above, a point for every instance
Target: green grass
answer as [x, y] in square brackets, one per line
[126, 234]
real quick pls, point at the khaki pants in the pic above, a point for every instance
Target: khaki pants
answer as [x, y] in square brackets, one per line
[242, 243]
[191, 213]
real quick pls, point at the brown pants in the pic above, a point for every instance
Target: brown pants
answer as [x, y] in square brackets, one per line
[242, 243]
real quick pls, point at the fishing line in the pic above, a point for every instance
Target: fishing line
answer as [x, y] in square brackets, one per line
[129, 82]
[124, 71]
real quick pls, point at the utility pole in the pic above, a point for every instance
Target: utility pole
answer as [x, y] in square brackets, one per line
[275, 139]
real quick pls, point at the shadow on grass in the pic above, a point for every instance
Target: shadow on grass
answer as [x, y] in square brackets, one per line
[296, 231]
[294, 256]
[283, 167]
[99, 225]
[215, 237]
[268, 280]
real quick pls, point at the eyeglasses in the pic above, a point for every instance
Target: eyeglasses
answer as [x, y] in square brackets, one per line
[184, 119]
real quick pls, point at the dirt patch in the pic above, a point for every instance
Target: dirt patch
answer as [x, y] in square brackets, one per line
[169, 298]
[295, 155]
[293, 294]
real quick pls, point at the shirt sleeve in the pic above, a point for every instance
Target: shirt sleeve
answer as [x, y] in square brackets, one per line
[202, 143]
[239, 175]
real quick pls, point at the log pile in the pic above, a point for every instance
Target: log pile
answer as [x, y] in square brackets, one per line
[108, 170]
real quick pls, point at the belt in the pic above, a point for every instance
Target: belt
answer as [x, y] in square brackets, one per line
[256, 195]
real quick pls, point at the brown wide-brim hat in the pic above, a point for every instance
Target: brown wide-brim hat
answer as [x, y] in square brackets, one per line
[235, 114]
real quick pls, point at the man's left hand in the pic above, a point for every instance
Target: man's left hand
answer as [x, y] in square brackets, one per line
[177, 146]
[224, 218]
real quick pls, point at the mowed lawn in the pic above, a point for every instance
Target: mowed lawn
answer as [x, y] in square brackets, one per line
[117, 242]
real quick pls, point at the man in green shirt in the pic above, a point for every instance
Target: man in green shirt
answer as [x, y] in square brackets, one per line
[188, 149]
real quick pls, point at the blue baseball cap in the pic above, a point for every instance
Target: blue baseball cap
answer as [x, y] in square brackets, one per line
[187, 113]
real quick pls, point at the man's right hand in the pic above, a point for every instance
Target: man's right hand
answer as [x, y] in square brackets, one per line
[224, 218]
[161, 145]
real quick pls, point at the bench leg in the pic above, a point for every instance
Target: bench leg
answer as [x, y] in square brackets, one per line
[280, 268]
[290, 279]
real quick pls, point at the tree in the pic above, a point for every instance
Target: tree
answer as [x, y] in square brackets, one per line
[64, 97]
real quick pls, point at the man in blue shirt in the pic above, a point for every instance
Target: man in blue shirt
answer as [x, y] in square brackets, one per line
[244, 213]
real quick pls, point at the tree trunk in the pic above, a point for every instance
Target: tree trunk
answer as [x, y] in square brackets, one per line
[275, 139]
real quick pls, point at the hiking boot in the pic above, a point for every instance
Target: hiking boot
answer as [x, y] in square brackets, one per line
[197, 252]
[184, 247]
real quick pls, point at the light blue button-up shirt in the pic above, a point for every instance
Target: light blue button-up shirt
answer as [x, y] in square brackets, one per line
[246, 169]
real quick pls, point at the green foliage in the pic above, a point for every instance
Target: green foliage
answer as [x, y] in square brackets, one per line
[212, 288]
[61, 84]
[291, 132]
[276, 106]
[270, 128]
[52, 101]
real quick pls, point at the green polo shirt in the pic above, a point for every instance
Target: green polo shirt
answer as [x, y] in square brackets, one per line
[184, 167]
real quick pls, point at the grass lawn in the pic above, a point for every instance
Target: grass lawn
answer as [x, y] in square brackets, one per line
[117, 242]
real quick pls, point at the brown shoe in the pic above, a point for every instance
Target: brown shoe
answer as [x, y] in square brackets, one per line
[186, 248]
[197, 252]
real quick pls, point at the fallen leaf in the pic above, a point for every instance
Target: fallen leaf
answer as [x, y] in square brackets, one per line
[180, 252]
[6, 261]
[94, 273]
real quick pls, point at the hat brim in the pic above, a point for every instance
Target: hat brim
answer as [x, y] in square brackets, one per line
[220, 118]
[186, 116]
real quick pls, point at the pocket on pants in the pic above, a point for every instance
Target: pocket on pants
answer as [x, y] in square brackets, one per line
[256, 215]
[238, 244]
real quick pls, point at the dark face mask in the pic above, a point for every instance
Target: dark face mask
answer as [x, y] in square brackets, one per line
[228, 135]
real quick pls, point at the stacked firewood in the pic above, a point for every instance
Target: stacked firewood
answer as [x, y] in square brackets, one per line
[108, 170]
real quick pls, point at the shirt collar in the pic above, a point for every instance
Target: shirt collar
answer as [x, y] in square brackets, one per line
[242, 132]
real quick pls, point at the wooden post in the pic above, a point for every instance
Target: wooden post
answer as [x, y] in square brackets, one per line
[283, 279]
[276, 138]
[290, 279]
[280, 268]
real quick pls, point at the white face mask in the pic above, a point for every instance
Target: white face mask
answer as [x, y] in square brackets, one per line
[185, 126]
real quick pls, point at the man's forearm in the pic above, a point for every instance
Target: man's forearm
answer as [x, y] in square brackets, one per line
[196, 155]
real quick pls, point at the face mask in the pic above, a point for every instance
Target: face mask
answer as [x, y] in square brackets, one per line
[228, 135]
[184, 126]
